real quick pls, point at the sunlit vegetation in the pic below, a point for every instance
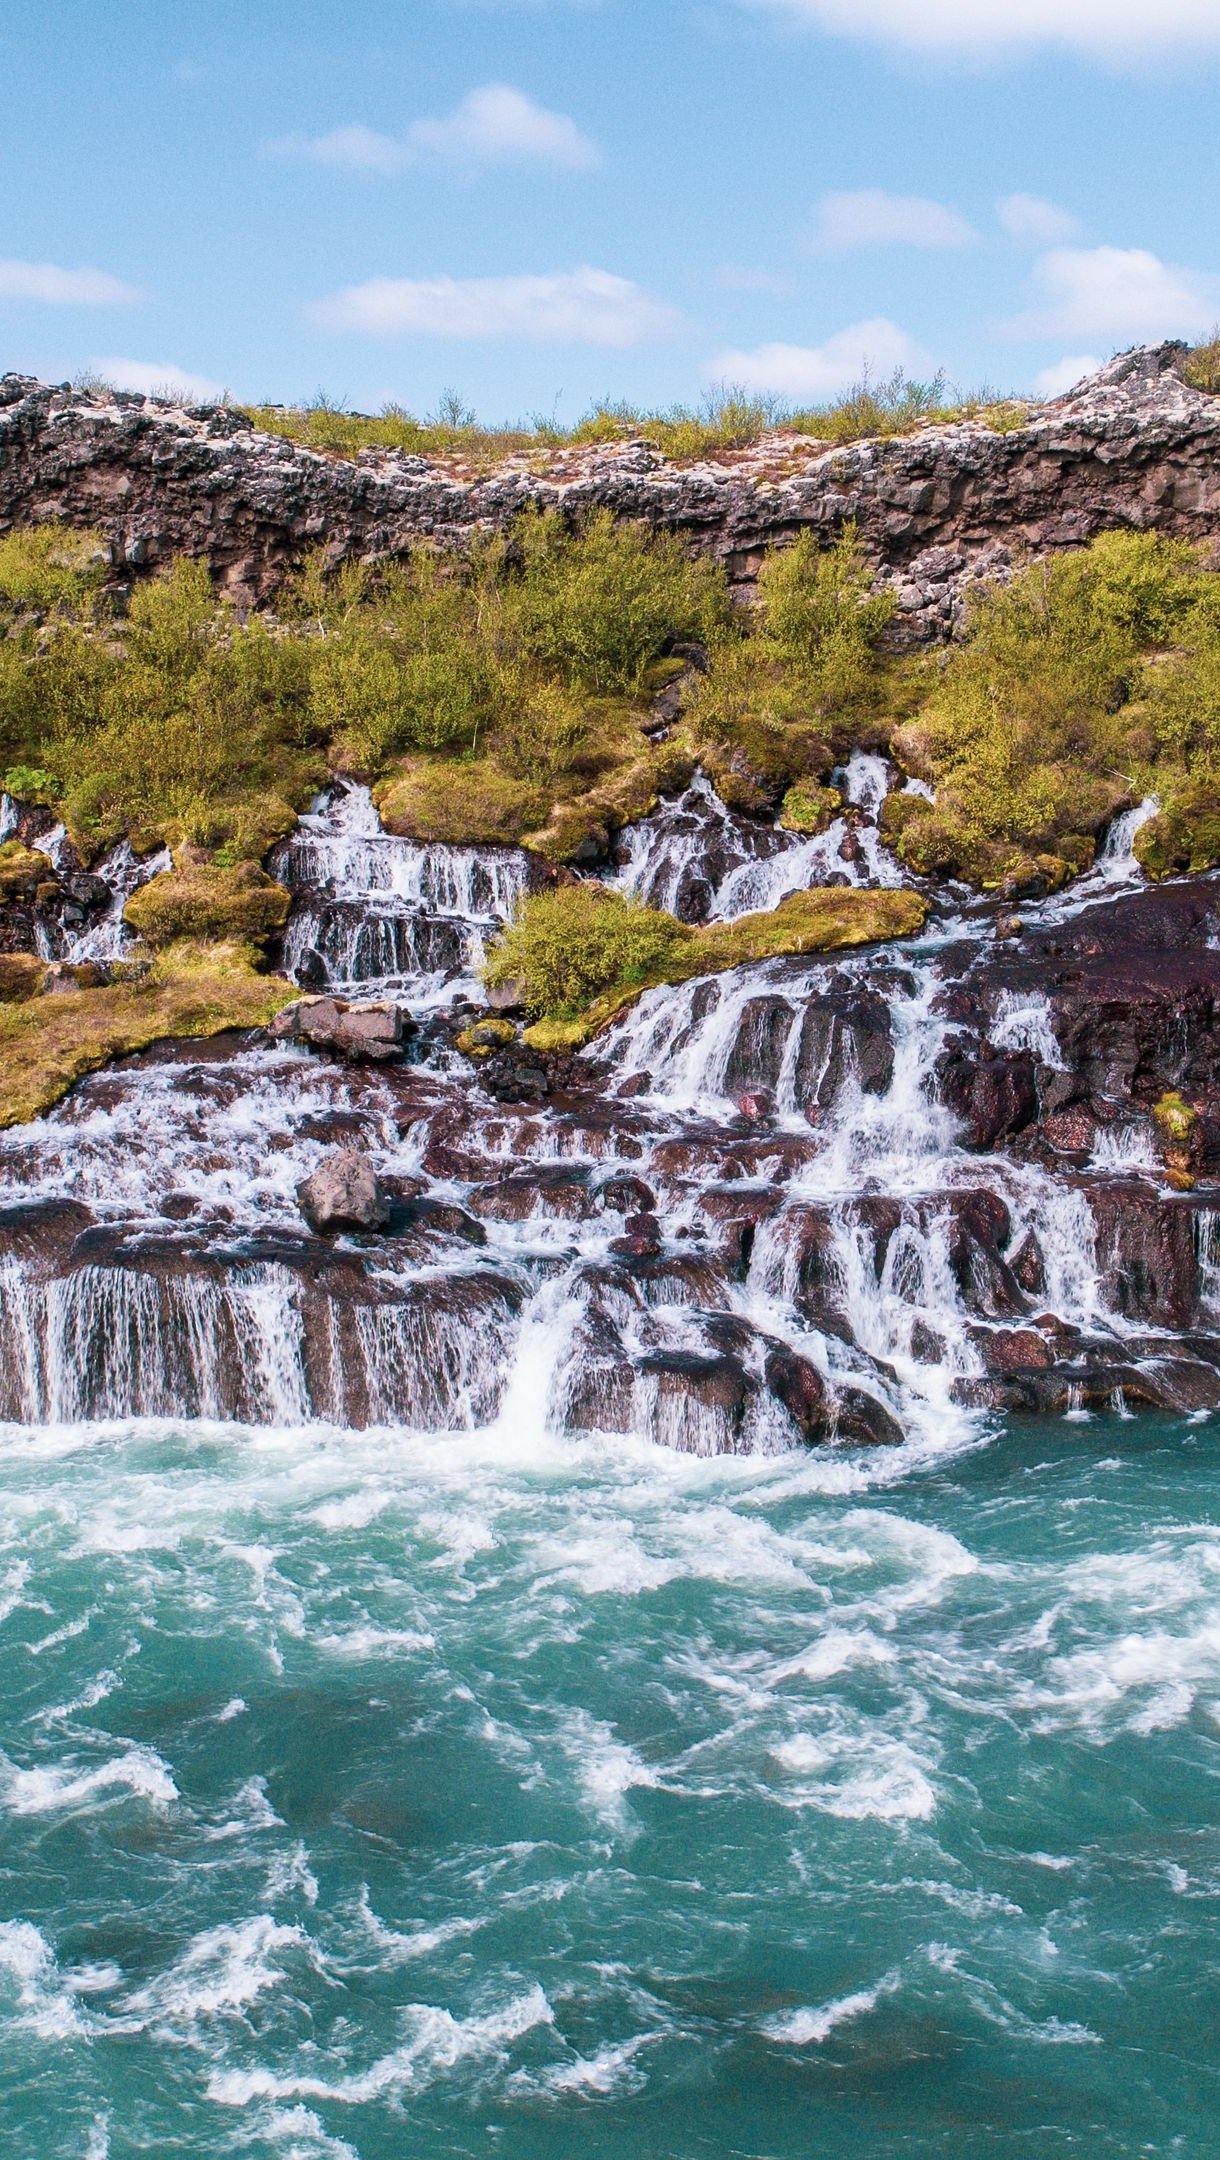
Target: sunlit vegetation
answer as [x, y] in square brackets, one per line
[729, 418]
[579, 953]
[46, 1043]
[1083, 686]
[508, 696]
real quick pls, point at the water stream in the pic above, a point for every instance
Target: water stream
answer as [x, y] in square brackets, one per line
[450, 1709]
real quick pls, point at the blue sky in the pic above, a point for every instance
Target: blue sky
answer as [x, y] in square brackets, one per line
[535, 203]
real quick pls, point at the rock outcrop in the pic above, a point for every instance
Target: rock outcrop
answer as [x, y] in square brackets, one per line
[1135, 445]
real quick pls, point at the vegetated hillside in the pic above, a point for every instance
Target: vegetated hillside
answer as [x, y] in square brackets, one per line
[937, 502]
[548, 687]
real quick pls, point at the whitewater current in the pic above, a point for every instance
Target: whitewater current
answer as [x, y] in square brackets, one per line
[394, 1763]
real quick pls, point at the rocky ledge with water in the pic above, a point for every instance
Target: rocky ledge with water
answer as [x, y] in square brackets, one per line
[812, 1201]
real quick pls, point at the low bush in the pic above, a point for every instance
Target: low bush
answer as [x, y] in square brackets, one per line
[1056, 711]
[568, 946]
[600, 604]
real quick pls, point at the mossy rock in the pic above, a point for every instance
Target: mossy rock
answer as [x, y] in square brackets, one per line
[559, 1035]
[1183, 837]
[47, 1043]
[22, 870]
[485, 1036]
[809, 809]
[203, 900]
[828, 919]
[460, 802]
[21, 976]
[1175, 1118]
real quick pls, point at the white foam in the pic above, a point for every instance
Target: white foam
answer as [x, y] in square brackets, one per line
[437, 2042]
[809, 2027]
[44, 2001]
[139, 1771]
[222, 1971]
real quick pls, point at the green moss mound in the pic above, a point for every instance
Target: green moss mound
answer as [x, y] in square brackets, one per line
[205, 900]
[583, 952]
[47, 1043]
[22, 871]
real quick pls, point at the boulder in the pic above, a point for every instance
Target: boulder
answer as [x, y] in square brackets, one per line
[344, 1193]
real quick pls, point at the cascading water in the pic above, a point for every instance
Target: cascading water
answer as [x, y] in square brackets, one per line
[391, 1730]
[376, 913]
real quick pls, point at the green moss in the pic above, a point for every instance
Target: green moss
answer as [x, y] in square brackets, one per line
[1184, 836]
[22, 870]
[807, 809]
[1175, 1119]
[486, 1036]
[460, 802]
[582, 936]
[559, 1035]
[21, 977]
[48, 1043]
[201, 900]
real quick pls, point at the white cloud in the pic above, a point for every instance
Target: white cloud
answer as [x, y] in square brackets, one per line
[159, 377]
[358, 148]
[875, 347]
[973, 27]
[61, 288]
[585, 306]
[1124, 294]
[1032, 218]
[871, 218]
[1065, 374]
[495, 125]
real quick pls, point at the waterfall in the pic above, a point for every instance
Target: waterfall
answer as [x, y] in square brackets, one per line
[380, 914]
[757, 1218]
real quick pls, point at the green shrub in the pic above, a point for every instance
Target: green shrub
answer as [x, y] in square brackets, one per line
[822, 620]
[1036, 731]
[571, 944]
[47, 566]
[600, 605]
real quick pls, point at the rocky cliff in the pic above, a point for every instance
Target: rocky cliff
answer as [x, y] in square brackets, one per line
[1134, 445]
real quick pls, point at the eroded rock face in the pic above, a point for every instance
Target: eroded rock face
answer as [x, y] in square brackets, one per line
[1134, 445]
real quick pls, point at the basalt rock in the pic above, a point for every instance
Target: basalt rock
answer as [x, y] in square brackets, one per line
[1134, 445]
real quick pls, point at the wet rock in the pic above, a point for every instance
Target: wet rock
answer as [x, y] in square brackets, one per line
[992, 1096]
[800, 1388]
[701, 1401]
[1028, 1265]
[1148, 1245]
[344, 1193]
[860, 1420]
[627, 1195]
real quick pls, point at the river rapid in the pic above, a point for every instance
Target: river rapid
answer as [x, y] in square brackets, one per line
[612, 1664]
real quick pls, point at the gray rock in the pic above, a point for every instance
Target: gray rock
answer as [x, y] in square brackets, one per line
[344, 1193]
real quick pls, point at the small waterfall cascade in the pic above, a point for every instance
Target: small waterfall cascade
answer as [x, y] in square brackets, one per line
[376, 914]
[795, 1203]
[704, 863]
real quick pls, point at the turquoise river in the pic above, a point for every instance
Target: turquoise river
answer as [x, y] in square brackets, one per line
[368, 1795]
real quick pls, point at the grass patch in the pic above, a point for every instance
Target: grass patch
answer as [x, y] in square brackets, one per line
[729, 418]
[206, 900]
[582, 953]
[49, 1042]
